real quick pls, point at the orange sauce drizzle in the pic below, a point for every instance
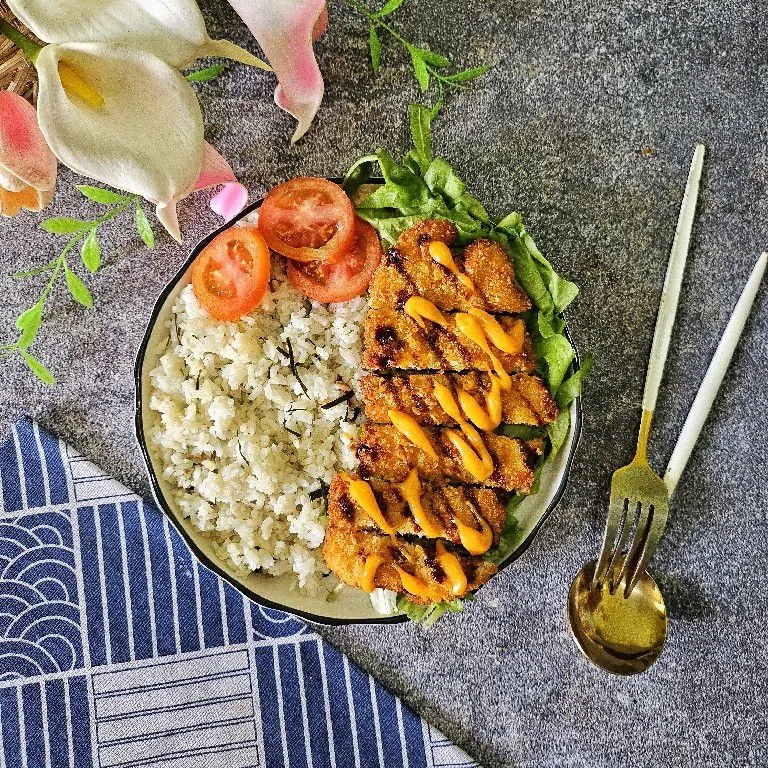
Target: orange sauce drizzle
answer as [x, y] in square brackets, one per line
[410, 490]
[407, 426]
[419, 308]
[474, 455]
[362, 493]
[510, 342]
[419, 587]
[453, 570]
[479, 464]
[368, 579]
[472, 328]
[486, 418]
[474, 541]
[445, 398]
[441, 253]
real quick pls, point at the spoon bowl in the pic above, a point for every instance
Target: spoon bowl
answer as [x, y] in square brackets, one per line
[622, 635]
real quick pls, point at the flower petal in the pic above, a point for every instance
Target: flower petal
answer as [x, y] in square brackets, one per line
[169, 218]
[25, 158]
[172, 30]
[230, 200]
[216, 170]
[285, 30]
[146, 138]
[11, 202]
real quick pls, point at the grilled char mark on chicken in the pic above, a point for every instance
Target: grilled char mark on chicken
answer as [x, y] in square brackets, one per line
[385, 454]
[347, 548]
[528, 402]
[443, 504]
[393, 339]
[408, 270]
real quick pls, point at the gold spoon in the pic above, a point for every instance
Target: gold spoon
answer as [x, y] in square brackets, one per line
[627, 635]
[621, 635]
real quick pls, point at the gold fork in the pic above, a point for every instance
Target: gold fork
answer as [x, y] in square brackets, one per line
[639, 501]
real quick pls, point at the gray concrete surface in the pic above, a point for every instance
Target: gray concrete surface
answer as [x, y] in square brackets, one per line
[586, 124]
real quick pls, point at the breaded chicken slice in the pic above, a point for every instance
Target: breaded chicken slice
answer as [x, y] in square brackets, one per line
[408, 269]
[393, 339]
[346, 550]
[384, 453]
[442, 504]
[527, 402]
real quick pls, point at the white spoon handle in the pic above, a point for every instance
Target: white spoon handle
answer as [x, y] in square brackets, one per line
[665, 319]
[713, 377]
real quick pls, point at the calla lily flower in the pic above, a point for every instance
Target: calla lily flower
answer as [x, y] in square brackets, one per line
[173, 30]
[216, 170]
[124, 117]
[27, 165]
[285, 31]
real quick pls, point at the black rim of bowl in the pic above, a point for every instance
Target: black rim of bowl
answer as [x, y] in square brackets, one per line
[211, 564]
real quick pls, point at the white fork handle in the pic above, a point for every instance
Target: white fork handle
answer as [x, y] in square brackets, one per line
[713, 378]
[665, 319]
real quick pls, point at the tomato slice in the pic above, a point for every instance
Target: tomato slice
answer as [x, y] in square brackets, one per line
[231, 274]
[308, 219]
[340, 280]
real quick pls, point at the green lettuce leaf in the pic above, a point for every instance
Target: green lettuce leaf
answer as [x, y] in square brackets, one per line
[421, 134]
[558, 353]
[359, 174]
[558, 432]
[427, 615]
[522, 431]
[562, 291]
[527, 273]
[570, 389]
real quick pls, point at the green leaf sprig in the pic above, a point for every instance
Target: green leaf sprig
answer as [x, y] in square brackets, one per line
[429, 67]
[85, 234]
[206, 74]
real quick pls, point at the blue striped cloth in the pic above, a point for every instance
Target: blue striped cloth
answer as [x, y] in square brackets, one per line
[117, 648]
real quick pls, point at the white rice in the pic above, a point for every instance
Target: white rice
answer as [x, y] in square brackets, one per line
[225, 399]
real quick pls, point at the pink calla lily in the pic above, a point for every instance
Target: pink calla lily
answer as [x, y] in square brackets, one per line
[285, 31]
[27, 165]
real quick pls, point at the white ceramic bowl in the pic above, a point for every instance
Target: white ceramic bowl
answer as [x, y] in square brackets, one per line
[351, 605]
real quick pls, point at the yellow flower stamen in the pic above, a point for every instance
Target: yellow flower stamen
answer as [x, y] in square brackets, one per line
[75, 85]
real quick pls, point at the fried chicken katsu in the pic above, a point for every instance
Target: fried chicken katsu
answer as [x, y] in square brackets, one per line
[526, 402]
[386, 454]
[445, 510]
[408, 270]
[427, 571]
[450, 360]
[394, 340]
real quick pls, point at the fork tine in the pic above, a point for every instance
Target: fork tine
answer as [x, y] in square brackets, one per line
[617, 514]
[629, 574]
[632, 513]
[656, 525]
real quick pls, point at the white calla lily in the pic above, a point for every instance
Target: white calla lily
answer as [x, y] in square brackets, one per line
[215, 171]
[173, 30]
[144, 135]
